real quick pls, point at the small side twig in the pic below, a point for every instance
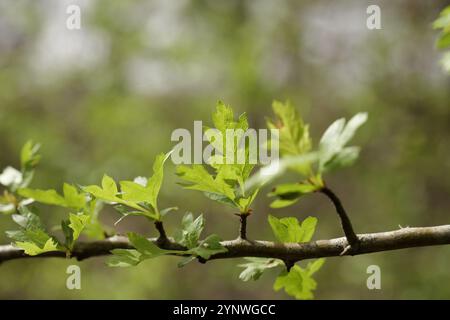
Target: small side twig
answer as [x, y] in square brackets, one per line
[162, 239]
[243, 227]
[352, 238]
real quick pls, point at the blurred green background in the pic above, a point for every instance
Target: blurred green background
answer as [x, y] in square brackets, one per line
[105, 99]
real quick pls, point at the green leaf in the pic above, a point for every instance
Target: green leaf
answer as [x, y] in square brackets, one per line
[296, 283]
[108, 192]
[334, 140]
[29, 159]
[155, 182]
[71, 199]
[294, 139]
[27, 219]
[29, 156]
[144, 246]
[294, 134]
[109, 185]
[145, 249]
[132, 191]
[208, 247]
[225, 181]
[43, 196]
[68, 234]
[314, 266]
[289, 193]
[289, 229]
[256, 267]
[94, 228]
[198, 178]
[140, 194]
[32, 236]
[124, 258]
[191, 231]
[165, 211]
[276, 169]
[77, 224]
[33, 249]
[282, 203]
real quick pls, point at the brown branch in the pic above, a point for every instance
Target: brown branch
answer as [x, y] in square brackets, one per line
[368, 243]
[162, 239]
[351, 236]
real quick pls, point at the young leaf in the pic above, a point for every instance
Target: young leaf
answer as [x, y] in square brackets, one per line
[225, 182]
[289, 193]
[71, 199]
[29, 156]
[144, 249]
[192, 229]
[198, 178]
[32, 236]
[29, 159]
[256, 267]
[208, 247]
[124, 258]
[32, 249]
[77, 224]
[155, 182]
[296, 283]
[289, 229]
[294, 134]
[332, 151]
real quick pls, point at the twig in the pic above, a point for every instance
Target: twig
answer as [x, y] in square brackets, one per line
[368, 243]
[352, 238]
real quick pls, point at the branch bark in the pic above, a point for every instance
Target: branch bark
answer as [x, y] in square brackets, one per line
[351, 236]
[368, 243]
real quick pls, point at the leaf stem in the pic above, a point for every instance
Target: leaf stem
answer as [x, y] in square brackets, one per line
[352, 238]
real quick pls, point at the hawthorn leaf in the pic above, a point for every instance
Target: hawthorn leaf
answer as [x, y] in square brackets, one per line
[298, 282]
[209, 246]
[282, 203]
[289, 193]
[294, 134]
[132, 191]
[32, 249]
[124, 258]
[198, 178]
[256, 267]
[191, 230]
[335, 138]
[289, 229]
[43, 196]
[29, 156]
[77, 224]
[155, 181]
[71, 199]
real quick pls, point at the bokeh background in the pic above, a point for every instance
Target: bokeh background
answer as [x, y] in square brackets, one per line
[105, 99]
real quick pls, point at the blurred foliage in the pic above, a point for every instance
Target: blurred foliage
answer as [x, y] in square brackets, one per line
[107, 97]
[443, 23]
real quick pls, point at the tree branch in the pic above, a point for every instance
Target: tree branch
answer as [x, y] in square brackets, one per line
[368, 243]
[352, 238]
